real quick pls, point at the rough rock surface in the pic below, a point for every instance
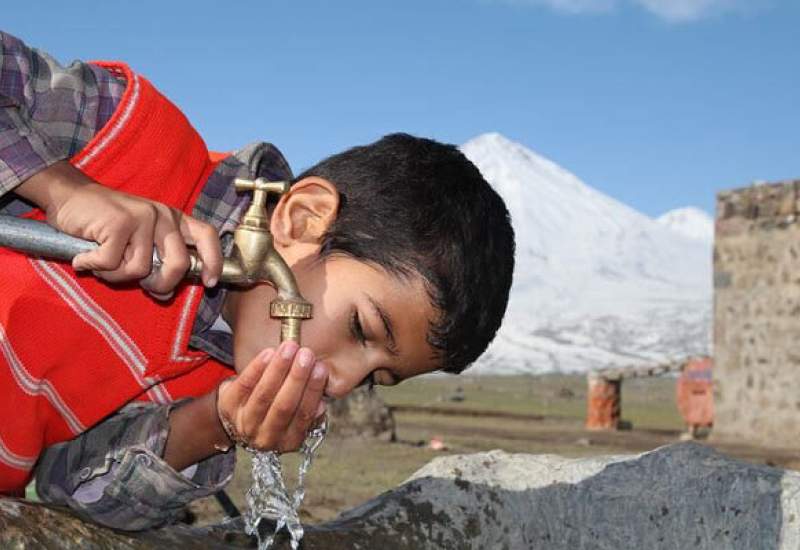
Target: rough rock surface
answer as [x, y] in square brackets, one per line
[680, 496]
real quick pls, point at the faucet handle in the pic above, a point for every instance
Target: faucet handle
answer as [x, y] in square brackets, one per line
[261, 188]
[256, 215]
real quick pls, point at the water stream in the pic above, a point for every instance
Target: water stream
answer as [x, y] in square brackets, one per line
[268, 497]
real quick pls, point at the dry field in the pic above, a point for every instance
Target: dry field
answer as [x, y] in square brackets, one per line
[531, 414]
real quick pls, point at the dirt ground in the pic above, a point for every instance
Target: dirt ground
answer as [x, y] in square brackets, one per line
[530, 414]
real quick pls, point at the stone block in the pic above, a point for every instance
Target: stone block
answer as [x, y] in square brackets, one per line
[679, 496]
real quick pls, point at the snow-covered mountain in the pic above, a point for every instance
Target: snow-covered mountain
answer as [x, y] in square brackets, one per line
[596, 283]
[690, 222]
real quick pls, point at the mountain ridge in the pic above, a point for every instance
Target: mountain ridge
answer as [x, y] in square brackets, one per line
[597, 283]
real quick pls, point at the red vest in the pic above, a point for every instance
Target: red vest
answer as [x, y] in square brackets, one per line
[74, 350]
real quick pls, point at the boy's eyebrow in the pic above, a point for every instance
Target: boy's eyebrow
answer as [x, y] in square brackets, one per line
[391, 344]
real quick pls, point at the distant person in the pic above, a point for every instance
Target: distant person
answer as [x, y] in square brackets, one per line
[115, 397]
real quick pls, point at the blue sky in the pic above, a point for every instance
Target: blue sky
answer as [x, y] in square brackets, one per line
[659, 103]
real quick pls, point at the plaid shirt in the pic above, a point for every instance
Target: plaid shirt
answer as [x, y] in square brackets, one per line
[114, 473]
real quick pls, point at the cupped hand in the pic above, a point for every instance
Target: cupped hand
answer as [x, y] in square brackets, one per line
[126, 227]
[275, 400]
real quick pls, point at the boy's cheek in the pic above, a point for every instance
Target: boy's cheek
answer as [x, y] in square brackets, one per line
[243, 355]
[248, 342]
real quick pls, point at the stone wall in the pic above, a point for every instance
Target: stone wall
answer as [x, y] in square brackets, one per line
[757, 315]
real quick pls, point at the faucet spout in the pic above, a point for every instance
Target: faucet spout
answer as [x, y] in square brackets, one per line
[254, 260]
[290, 306]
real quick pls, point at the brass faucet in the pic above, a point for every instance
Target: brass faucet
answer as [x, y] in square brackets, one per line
[254, 259]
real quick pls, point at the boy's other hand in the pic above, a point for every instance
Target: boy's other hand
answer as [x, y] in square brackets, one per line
[126, 227]
[273, 402]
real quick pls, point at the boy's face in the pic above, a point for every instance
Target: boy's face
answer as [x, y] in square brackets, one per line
[367, 323]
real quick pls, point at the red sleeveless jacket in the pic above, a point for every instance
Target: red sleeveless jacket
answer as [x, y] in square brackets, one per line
[74, 350]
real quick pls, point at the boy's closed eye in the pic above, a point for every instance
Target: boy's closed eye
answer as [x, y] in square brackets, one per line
[376, 315]
[356, 328]
[379, 377]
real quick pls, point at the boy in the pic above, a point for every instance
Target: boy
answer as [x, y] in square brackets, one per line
[402, 247]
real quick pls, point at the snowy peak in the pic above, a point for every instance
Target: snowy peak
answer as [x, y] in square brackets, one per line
[596, 282]
[494, 152]
[570, 237]
[690, 222]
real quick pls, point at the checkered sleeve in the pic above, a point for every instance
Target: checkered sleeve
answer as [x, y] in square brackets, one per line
[114, 475]
[47, 112]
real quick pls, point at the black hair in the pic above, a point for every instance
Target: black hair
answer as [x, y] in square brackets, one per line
[415, 206]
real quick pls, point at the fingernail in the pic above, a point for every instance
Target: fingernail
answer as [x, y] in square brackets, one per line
[288, 349]
[266, 355]
[305, 358]
[320, 409]
[212, 282]
[319, 372]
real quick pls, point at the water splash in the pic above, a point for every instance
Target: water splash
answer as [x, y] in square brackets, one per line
[268, 499]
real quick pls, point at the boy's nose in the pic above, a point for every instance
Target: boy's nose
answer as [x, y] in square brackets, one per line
[342, 379]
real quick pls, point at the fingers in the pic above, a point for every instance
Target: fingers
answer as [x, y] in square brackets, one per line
[173, 253]
[125, 250]
[126, 227]
[285, 405]
[274, 401]
[264, 394]
[310, 408]
[240, 388]
[126, 244]
[204, 237]
[173, 231]
[107, 256]
[140, 247]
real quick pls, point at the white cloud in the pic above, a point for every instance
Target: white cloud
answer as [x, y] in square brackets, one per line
[676, 11]
[688, 10]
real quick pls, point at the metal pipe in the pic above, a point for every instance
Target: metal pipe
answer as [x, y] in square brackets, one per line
[39, 239]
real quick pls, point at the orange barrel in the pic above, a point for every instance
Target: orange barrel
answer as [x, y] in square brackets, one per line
[603, 403]
[694, 393]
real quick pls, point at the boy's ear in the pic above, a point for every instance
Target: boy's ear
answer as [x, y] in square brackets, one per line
[303, 215]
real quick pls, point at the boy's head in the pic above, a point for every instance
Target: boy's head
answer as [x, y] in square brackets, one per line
[403, 232]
